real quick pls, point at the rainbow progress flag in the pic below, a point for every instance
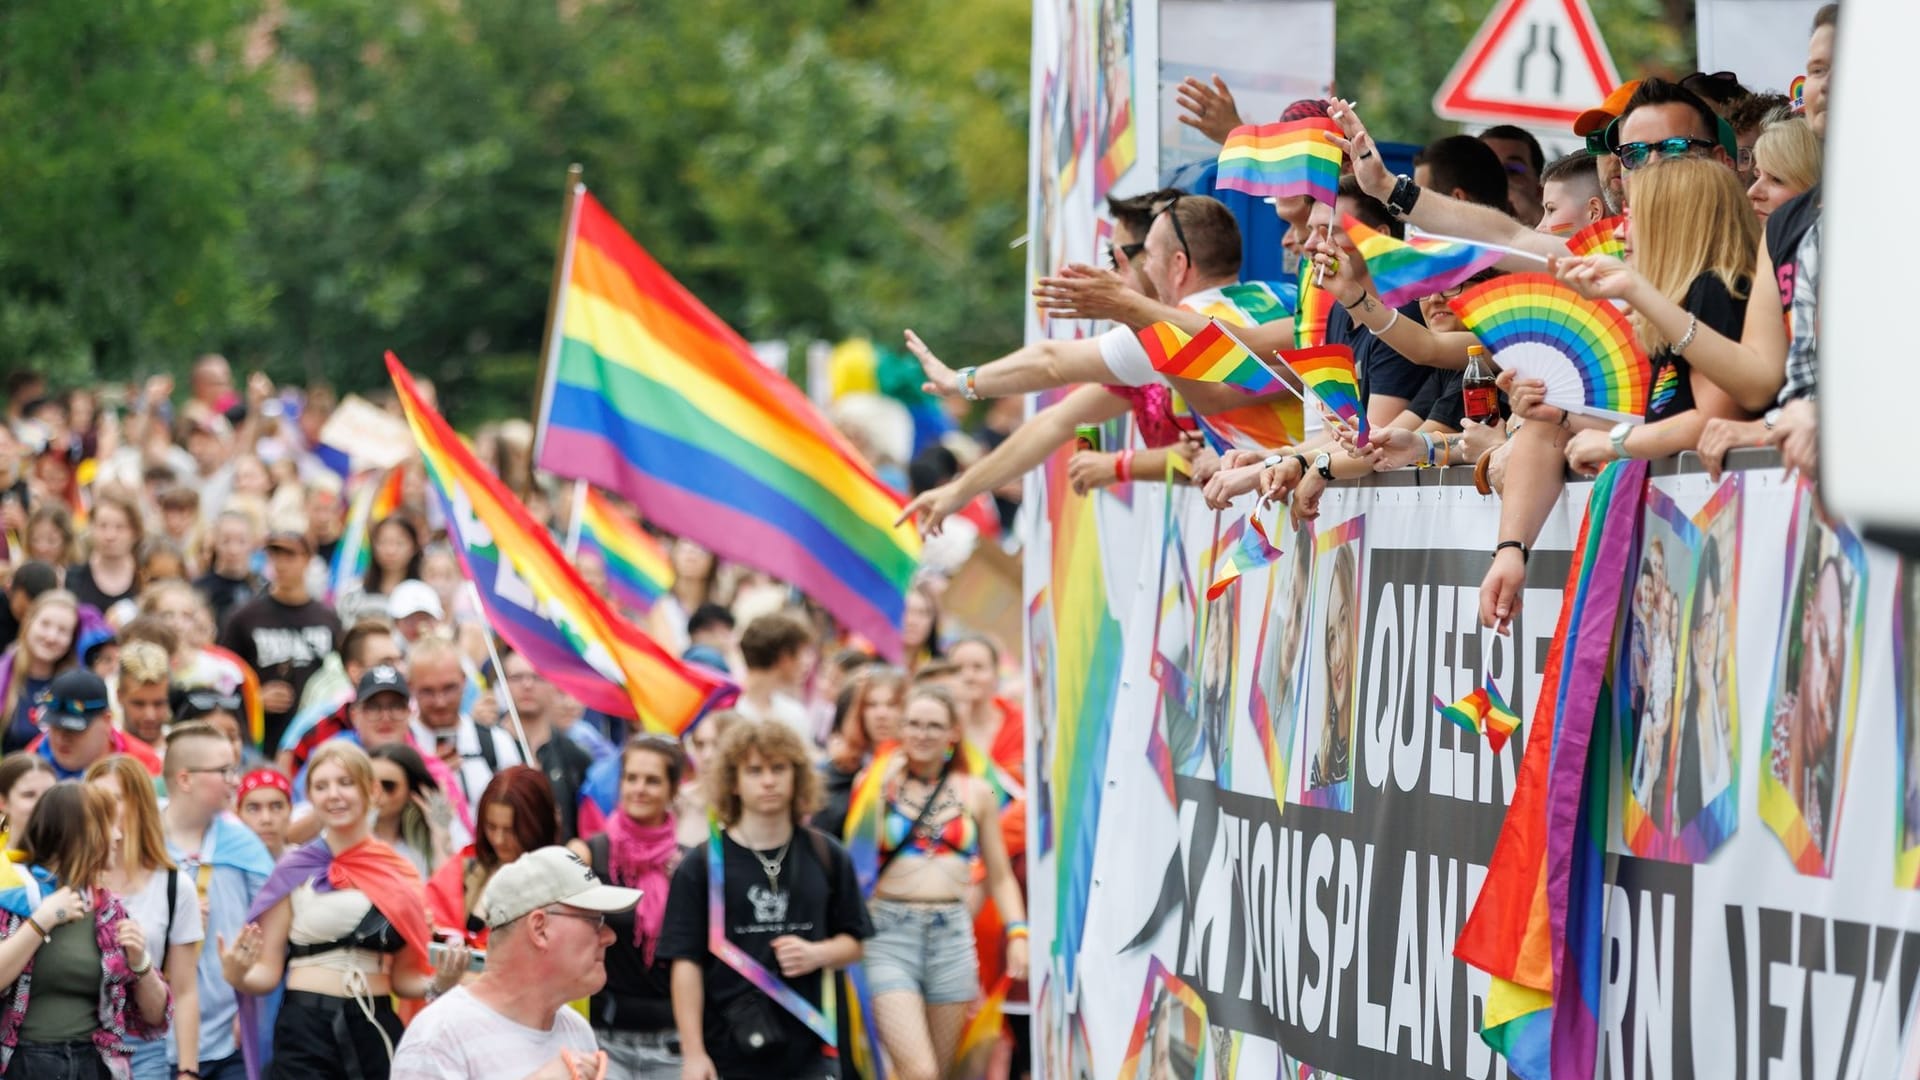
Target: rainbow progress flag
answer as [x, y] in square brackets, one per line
[1282, 159]
[637, 567]
[1599, 238]
[563, 628]
[1406, 270]
[1482, 712]
[649, 395]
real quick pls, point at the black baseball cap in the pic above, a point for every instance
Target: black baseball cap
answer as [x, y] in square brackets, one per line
[74, 700]
[384, 679]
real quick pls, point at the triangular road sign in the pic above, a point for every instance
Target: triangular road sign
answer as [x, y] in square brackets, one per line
[1536, 63]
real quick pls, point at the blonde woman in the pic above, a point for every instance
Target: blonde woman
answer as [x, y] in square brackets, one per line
[47, 646]
[1786, 164]
[1690, 240]
[166, 904]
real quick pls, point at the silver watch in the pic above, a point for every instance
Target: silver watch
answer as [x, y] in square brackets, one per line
[1323, 463]
[1618, 438]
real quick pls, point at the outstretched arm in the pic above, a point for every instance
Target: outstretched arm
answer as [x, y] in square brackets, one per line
[1347, 280]
[1434, 212]
[1043, 365]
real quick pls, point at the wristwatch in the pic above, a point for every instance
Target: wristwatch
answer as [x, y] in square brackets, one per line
[1771, 418]
[1405, 194]
[1618, 438]
[1323, 462]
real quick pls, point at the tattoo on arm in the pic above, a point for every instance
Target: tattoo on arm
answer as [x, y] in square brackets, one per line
[1366, 301]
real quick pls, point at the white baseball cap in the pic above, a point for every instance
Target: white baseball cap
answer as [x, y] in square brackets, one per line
[551, 875]
[413, 597]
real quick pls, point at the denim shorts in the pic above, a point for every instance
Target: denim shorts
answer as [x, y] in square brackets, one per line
[926, 949]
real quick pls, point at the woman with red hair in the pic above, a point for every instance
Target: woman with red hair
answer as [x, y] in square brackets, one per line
[516, 815]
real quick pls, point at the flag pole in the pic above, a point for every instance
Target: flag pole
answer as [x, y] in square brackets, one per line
[550, 332]
[572, 546]
[500, 680]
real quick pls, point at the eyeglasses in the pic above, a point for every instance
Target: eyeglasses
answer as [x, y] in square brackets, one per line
[1179, 233]
[230, 773]
[201, 702]
[1450, 294]
[1131, 251]
[1635, 154]
[390, 786]
[599, 921]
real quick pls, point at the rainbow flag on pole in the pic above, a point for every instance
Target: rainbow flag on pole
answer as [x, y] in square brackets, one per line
[1214, 355]
[649, 395]
[1328, 371]
[638, 570]
[535, 600]
[1282, 159]
[1406, 270]
[372, 501]
[1249, 551]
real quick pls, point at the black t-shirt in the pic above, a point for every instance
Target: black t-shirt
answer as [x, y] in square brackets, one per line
[225, 595]
[837, 792]
[566, 765]
[80, 583]
[1380, 368]
[1441, 402]
[1786, 227]
[638, 996]
[814, 902]
[1717, 309]
[283, 643]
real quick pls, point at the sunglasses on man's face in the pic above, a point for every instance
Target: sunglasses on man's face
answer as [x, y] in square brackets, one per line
[1635, 154]
[1130, 251]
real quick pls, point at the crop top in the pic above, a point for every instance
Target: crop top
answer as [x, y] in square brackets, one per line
[341, 921]
[959, 835]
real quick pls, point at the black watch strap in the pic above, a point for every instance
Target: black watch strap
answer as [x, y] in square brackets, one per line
[1405, 194]
[1304, 463]
[1505, 544]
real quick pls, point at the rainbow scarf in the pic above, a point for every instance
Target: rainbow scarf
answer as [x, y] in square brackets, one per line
[649, 395]
[820, 1021]
[638, 571]
[1291, 157]
[562, 627]
[371, 503]
[1406, 270]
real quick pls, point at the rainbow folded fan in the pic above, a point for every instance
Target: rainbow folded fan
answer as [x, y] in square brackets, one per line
[1584, 350]
[1600, 238]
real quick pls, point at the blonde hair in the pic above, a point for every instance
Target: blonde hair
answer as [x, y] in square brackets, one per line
[1690, 217]
[17, 682]
[143, 663]
[356, 763]
[142, 843]
[1789, 151]
[772, 740]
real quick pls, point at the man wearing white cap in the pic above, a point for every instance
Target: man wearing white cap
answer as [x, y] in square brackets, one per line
[547, 913]
[415, 609]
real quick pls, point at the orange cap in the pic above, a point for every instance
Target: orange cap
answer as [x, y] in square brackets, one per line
[1594, 119]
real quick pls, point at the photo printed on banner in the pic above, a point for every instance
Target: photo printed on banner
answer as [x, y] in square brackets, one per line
[1648, 685]
[1176, 742]
[1116, 142]
[1706, 787]
[1334, 651]
[1816, 682]
[1273, 698]
[1170, 1038]
[1906, 703]
[1041, 704]
[1220, 652]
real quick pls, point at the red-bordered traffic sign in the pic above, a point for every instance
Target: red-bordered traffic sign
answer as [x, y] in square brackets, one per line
[1536, 63]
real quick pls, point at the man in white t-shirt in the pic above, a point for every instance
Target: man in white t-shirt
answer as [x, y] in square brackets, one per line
[1192, 252]
[549, 937]
[777, 649]
[474, 753]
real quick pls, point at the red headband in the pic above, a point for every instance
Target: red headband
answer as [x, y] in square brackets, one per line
[260, 778]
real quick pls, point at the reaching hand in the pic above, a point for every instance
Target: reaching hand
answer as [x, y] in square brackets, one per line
[1391, 448]
[1229, 484]
[1597, 277]
[237, 959]
[1482, 437]
[1210, 110]
[1589, 451]
[1305, 505]
[1368, 168]
[1084, 292]
[1344, 276]
[942, 381]
[1527, 399]
[1202, 462]
[1278, 481]
[931, 507]
[1090, 469]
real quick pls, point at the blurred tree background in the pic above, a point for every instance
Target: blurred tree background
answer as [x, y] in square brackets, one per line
[303, 183]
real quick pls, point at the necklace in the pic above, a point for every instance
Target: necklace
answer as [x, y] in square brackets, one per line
[771, 867]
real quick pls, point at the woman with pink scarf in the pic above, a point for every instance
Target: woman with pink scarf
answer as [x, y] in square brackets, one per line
[633, 1014]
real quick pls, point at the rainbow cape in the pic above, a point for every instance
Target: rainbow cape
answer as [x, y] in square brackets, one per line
[1250, 303]
[370, 504]
[1406, 270]
[649, 395]
[1482, 712]
[637, 567]
[1536, 927]
[1584, 350]
[535, 600]
[1328, 371]
[1291, 157]
[1006, 786]
[1250, 550]
[1599, 239]
[326, 693]
[1214, 355]
[1310, 315]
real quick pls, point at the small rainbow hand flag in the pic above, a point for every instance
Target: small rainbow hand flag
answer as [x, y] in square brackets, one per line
[1406, 270]
[1252, 551]
[1328, 371]
[1310, 315]
[1600, 238]
[1163, 341]
[1282, 159]
[1215, 355]
[1482, 712]
[638, 569]
[1260, 425]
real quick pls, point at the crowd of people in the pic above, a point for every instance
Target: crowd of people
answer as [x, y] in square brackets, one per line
[268, 811]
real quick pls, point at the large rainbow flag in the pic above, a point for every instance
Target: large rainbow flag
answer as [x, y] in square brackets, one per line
[535, 600]
[649, 395]
[638, 570]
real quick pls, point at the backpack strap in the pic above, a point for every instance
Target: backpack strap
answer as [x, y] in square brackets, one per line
[173, 908]
[599, 850]
[488, 752]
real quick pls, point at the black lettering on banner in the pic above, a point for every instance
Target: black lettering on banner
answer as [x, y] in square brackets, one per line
[1645, 972]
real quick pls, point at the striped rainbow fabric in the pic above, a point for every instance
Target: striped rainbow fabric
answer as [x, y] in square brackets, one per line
[1289, 157]
[649, 395]
[565, 627]
[373, 499]
[637, 567]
